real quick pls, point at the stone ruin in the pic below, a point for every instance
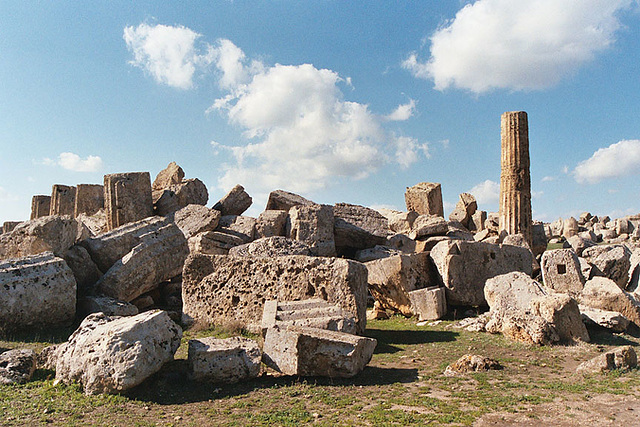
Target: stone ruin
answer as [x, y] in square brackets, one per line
[132, 259]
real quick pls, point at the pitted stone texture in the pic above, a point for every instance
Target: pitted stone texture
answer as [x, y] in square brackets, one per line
[313, 225]
[177, 196]
[612, 261]
[271, 223]
[214, 243]
[464, 210]
[561, 271]
[314, 313]
[623, 358]
[391, 279]
[158, 257]
[243, 227]
[605, 294]
[399, 222]
[89, 199]
[37, 291]
[17, 366]
[316, 352]
[127, 198]
[271, 247]
[195, 219]
[283, 200]
[377, 252]
[607, 319]
[359, 227]
[84, 270]
[108, 248]
[426, 226]
[96, 224]
[50, 233]
[425, 198]
[113, 354]
[228, 360]
[218, 288]
[428, 303]
[63, 200]
[578, 244]
[563, 313]
[471, 363]
[171, 175]
[235, 202]
[465, 266]
[40, 206]
[107, 305]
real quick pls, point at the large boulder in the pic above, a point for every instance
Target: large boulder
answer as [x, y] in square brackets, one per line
[17, 366]
[604, 294]
[399, 222]
[177, 196]
[243, 227]
[220, 289]
[50, 233]
[113, 354]
[561, 271]
[313, 225]
[171, 175]
[612, 261]
[359, 227]
[38, 290]
[563, 313]
[426, 226]
[196, 219]
[235, 202]
[271, 223]
[465, 266]
[464, 210]
[425, 198]
[158, 257]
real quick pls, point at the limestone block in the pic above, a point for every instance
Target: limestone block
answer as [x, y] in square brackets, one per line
[214, 243]
[314, 313]
[556, 228]
[605, 294]
[177, 196]
[228, 360]
[399, 222]
[107, 305]
[612, 261]
[563, 313]
[40, 206]
[465, 266]
[523, 327]
[578, 244]
[612, 320]
[426, 226]
[271, 247]
[425, 198]
[623, 358]
[89, 199]
[493, 222]
[477, 221]
[113, 354]
[219, 288]
[316, 352]
[570, 227]
[428, 303]
[458, 231]
[9, 226]
[196, 219]
[96, 224]
[539, 239]
[464, 210]
[243, 227]
[359, 227]
[17, 366]
[108, 248]
[37, 290]
[171, 175]
[158, 257]
[271, 223]
[391, 279]
[401, 242]
[634, 271]
[63, 200]
[50, 233]
[283, 200]
[127, 198]
[561, 271]
[471, 363]
[377, 252]
[313, 225]
[235, 202]
[85, 271]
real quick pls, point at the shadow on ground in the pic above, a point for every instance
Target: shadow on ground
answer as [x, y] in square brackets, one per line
[603, 336]
[388, 340]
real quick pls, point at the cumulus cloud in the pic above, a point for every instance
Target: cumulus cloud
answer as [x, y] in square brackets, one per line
[616, 160]
[73, 162]
[504, 44]
[487, 192]
[167, 53]
[403, 112]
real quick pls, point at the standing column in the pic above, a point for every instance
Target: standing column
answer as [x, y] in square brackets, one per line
[515, 180]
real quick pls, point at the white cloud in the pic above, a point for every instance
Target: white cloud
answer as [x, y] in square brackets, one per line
[548, 178]
[73, 162]
[619, 159]
[487, 192]
[506, 44]
[408, 151]
[403, 112]
[167, 53]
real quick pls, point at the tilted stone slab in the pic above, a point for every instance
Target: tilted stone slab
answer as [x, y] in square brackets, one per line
[188, 192]
[158, 257]
[605, 318]
[612, 261]
[604, 294]
[359, 227]
[36, 291]
[50, 233]
[127, 198]
[284, 200]
[316, 352]
[220, 289]
[113, 354]
[196, 219]
[235, 202]
[465, 266]
[227, 360]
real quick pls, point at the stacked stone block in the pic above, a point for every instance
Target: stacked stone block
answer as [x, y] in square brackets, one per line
[127, 198]
[40, 206]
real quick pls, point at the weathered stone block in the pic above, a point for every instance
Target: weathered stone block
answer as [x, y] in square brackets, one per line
[426, 226]
[107, 305]
[89, 199]
[428, 303]
[358, 227]
[464, 210]
[425, 198]
[84, 270]
[271, 223]
[177, 196]
[219, 289]
[195, 219]
[171, 175]
[313, 225]
[607, 319]
[561, 271]
[399, 222]
[563, 313]
[50, 233]
[214, 243]
[316, 352]
[40, 206]
[314, 313]
[612, 261]
[605, 294]
[243, 227]
[63, 200]
[271, 247]
[17, 366]
[9, 226]
[284, 200]
[235, 202]
[228, 360]
[127, 198]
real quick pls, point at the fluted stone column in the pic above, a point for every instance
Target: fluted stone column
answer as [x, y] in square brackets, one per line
[40, 206]
[127, 198]
[63, 200]
[515, 180]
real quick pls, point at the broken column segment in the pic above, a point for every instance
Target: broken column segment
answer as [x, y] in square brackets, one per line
[515, 179]
[227, 360]
[127, 198]
[425, 198]
[89, 199]
[235, 202]
[63, 200]
[40, 206]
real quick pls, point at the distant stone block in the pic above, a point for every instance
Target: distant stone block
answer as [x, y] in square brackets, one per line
[89, 199]
[63, 200]
[428, 303]
[40, 206]
[425, 198]
[127, 198]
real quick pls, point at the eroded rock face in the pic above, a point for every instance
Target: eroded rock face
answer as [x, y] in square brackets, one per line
[271, 223]
[228, 360]
[196, 219]
[561, 271]
[219, 289]
[37, 291]
[313, 225]
[426, 226]
[113, 354]
[17, 366]
[425, 198]
[428, 303]
[399, 222]
[50, 233]
[471, 363]
[171, 175]
[623, 358]
[563, 313]
[235, 202]
[612, 261]
[607, 319]
[284, 200]
[464, 210]
[271, 247]
[465, 266]
[359, 227]
[605, 294]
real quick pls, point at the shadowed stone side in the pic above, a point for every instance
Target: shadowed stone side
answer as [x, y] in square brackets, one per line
[127, 198]
[40, 206]
[63, 200]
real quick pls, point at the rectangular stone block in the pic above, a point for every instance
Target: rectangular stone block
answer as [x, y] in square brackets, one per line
[428, 303]
[63, 200]
[315, 313]
[9, 226]
[425, 198]
[228, 360]
[89, 199]
[313, 225]
[40, 206]
[127, 198]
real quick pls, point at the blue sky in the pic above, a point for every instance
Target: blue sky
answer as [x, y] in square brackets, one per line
[337, 101]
